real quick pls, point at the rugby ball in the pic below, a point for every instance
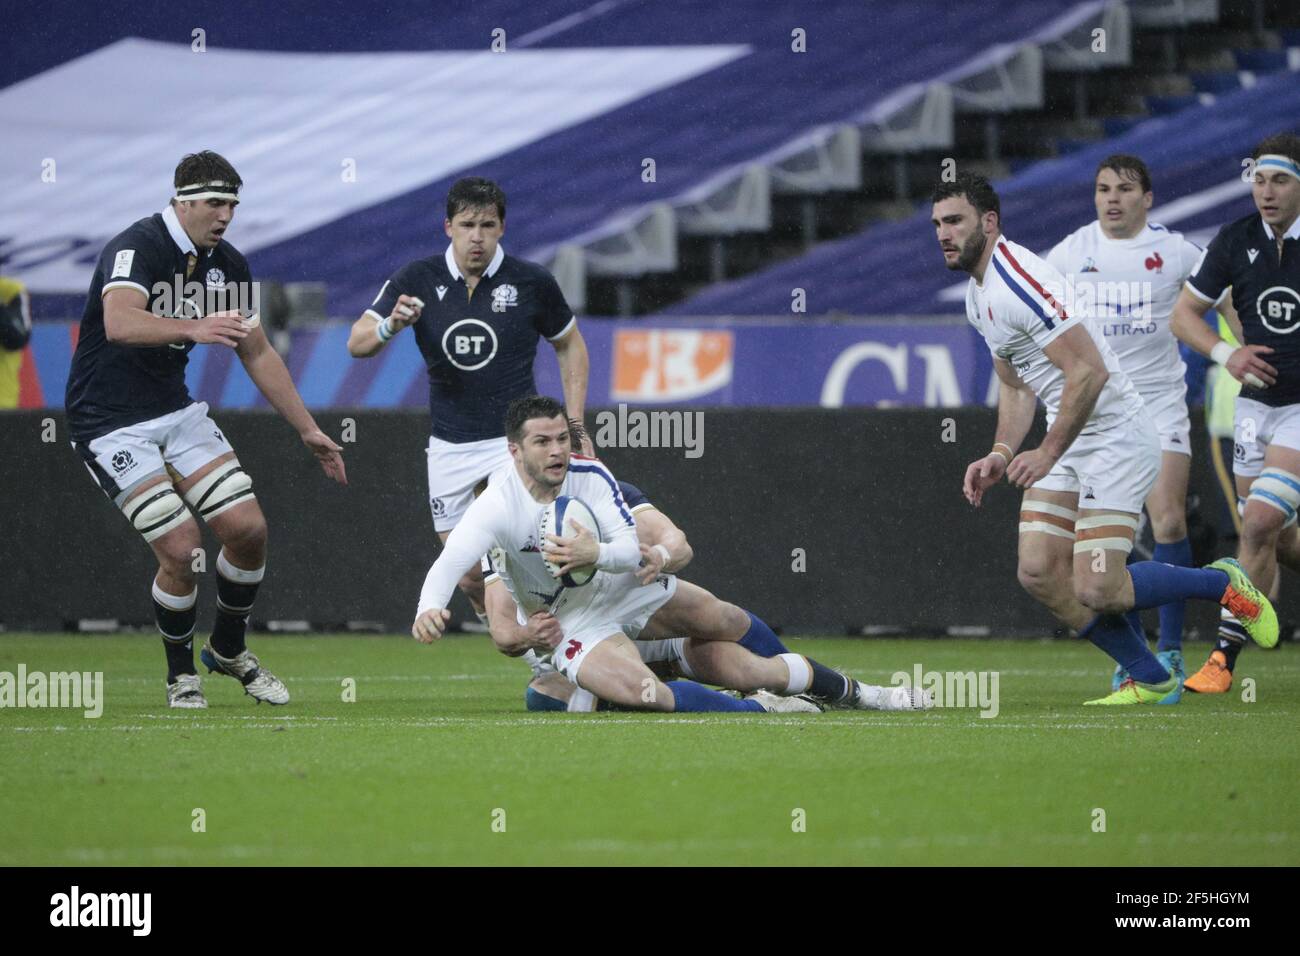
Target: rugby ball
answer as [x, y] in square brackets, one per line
[560, 513]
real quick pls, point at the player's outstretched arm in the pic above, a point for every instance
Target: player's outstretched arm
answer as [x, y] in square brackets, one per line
[1017, 406]
[266, 369]
[464, 548]
[1245, 364]
[128, 321]
[370, 334]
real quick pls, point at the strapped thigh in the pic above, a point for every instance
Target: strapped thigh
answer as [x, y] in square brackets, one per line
[222, 488]
[1105, 530]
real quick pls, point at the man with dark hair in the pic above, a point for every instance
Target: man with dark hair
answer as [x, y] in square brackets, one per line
[1085, 484]
[1258, 258]
[477, 314]
[162, 286]
[1124, 274]
[757, 661]
[598, 622]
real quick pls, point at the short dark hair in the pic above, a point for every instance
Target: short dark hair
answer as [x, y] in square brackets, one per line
[205, 167]
[975, 188]
[523, 410]
[475, 192]
[1122, 163]
[1283, 144]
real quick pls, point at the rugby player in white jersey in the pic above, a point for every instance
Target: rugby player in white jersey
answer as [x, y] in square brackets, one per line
[1258, 258]
[1086, 483]
[755, 662]
[1125, 273]
[598, 620]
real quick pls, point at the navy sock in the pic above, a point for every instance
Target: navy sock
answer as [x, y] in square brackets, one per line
[175, 616]
[760, 639]
[691, 697]
[236, 591]
[1114, 635]
[829, 684]
[1178, 553]
[1155, 583]
[1135, 616]
[1232, 638]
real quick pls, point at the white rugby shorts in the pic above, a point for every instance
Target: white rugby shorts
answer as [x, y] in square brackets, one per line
[1168, 410]
[186, 439]
[1111, 470]
[455, 470]
[1255, 427]
[625, 611]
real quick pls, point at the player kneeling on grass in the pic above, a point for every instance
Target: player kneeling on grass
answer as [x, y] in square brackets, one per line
[153, 449]
[757, 661]
[595, 652]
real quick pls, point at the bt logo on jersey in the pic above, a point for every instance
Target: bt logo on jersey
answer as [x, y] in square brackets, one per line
[469, 344]
[1279, 309]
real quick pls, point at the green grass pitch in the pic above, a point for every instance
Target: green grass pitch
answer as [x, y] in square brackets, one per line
[437, 747]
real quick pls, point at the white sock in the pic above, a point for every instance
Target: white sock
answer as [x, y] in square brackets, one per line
[871, 695]
[800, 673]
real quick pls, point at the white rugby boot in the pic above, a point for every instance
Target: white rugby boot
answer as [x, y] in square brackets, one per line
[872, 697]
[186, 693]
[776, 704]
[259, 684]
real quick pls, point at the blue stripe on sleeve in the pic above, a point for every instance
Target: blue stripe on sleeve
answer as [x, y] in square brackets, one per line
[1025, 297]
[613, 487]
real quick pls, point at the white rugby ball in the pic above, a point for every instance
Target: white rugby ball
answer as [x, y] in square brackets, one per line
[560, 513]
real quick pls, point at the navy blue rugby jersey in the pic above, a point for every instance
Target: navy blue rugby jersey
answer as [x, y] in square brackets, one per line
[478, 349]
[1265, 293]
[111, 385]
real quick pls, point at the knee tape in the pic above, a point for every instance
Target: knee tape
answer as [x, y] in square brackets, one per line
[156, 510]
[222, 488]
[1278, 489]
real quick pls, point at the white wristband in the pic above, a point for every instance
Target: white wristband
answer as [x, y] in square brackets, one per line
[384, 330]
[1221, 352]
[664, 551]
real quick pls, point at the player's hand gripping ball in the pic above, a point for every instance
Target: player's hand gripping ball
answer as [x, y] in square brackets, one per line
[571, 520]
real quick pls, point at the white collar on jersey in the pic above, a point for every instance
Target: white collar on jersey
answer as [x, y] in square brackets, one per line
[498, 258]
[177, 231]
[1292, 233]
[1142, 236]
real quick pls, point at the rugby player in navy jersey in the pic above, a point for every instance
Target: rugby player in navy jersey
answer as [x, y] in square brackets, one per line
[1258, 257]
[477, 315]
[167, 283]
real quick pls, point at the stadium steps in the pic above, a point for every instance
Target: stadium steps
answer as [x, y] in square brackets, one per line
[1198, 63]
[1173, 68]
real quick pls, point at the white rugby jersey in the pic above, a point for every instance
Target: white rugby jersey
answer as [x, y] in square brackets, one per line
[1128, 287]
[1018, 313]
[502, 524]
